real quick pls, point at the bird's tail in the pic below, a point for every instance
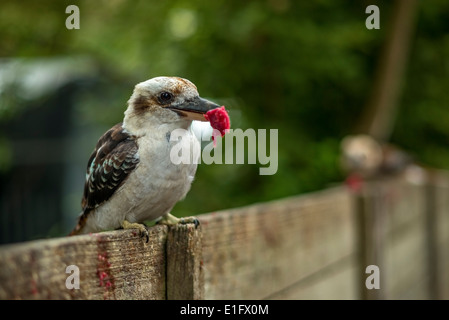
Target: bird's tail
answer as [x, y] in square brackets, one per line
[79, 226]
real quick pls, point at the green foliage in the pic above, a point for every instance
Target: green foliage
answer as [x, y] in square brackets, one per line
[302, 67]
[422, 126]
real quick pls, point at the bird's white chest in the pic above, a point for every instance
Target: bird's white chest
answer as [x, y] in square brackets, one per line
[160, 180]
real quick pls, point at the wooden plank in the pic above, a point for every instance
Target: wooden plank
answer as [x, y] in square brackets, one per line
[185, 279]
[305, 247]
[369, 218]
[405, 273]
[337, 281]
[112, 265]
[405, 204]
[405, 268]
[431, 234]
[252, 252]
[442, 229]
[394, 225]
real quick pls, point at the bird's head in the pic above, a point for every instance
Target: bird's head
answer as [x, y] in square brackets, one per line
[361, 154]
[166, 100]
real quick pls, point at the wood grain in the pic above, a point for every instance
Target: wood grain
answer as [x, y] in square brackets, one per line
[112, 265]
[185, 279]
[441, 183]
[253, 252]
[312, 246]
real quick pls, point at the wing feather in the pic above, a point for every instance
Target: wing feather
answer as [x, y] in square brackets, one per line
[114, 157]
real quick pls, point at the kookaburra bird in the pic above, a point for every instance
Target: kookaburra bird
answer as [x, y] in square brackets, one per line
[130, 177]
[364, 156]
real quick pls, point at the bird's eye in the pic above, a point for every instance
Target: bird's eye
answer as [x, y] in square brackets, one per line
[165, 97]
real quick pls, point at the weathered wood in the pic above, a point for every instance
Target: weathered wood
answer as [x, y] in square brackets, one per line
[441, 183]
[112, 265]
[369, 217]
[400, 227]
[313, 246]
[399, 240]
[431, 234]
[185, 279]
[254, 252]
[406, 271]
[334, 282]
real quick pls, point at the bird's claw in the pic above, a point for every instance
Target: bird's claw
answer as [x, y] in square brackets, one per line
[171, 220]
[193, 220]
[143, 231]
[196, 222]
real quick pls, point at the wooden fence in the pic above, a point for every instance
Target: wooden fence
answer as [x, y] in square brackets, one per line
[313, 246]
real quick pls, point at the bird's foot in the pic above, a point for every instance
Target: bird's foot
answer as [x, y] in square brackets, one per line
[140, 226]
[170, 220]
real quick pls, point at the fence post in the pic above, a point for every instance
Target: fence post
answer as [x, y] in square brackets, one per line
[431, 235]
[185, 280]
[370, 242]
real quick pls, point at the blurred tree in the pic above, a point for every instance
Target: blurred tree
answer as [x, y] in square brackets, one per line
[304, 68]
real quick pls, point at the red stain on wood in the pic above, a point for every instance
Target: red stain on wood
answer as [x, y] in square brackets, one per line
[104, 274]
[33, 287]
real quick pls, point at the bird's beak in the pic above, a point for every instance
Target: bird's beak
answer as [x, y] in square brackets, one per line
[194, 109]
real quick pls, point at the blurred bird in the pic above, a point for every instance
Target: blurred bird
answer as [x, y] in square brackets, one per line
[130, 177]
[362, 157]
[360, 154]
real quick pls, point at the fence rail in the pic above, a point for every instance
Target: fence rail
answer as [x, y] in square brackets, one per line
[312, 246]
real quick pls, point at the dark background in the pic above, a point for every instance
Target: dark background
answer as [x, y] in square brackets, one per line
[305, 68]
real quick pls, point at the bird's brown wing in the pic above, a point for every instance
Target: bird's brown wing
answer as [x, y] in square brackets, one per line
[114, 157]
